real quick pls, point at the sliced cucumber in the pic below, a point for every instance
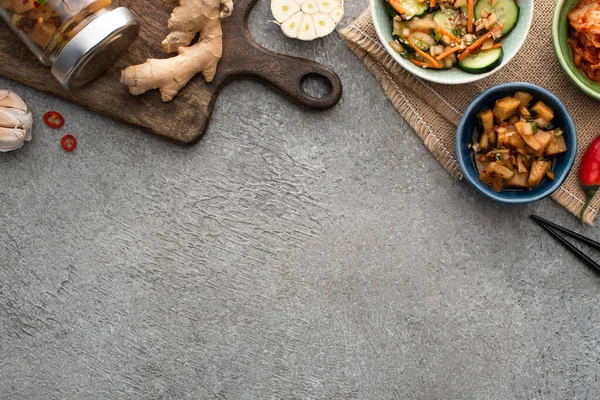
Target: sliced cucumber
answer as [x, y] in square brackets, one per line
[404, 42]
[423, 24]
[398, 26]
[412, 8]
[482, 62]
[507, 12]
[446, 19]
[423, 41]
[390, 10]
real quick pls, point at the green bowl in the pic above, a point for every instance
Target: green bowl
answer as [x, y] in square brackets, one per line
[512, 43]
[560, 35]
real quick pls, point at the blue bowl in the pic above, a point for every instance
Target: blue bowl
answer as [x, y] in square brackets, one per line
[562, 120]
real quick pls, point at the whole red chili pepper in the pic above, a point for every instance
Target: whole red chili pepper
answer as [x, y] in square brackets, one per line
[589, 173]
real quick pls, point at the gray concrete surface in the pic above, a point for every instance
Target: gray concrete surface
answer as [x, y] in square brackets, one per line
[290, 254]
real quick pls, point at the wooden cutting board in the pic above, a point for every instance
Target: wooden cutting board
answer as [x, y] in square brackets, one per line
[186, 118]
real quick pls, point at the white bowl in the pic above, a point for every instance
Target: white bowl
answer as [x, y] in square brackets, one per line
[511, 45]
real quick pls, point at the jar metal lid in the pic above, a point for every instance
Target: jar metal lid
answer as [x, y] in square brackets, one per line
[95, 48]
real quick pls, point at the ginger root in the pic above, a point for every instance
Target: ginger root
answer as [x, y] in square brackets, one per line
[170, 75]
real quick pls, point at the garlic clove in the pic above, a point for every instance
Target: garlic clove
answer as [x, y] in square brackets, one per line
[16, 121]
[291, 27]
[337, 14]
[307, 28]
[15, 118]
[283, 9]
[327, 6]
[9, 99]
[310, 7]
[8, 119]
[27, 123]
[324, 24]
[324, 17]
[12, 138]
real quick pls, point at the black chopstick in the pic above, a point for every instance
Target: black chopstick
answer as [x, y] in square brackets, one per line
[548, 227]
[568, 232]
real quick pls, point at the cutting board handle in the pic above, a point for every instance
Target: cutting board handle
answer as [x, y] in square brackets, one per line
[247, 59]
[287, 75]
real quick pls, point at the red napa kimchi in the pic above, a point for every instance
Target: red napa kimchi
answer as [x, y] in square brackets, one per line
[585, 40]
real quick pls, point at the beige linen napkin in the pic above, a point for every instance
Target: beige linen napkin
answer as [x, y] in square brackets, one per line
[433, 110]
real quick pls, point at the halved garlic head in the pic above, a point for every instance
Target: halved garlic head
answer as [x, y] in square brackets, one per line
[307, 19]
[15, 121]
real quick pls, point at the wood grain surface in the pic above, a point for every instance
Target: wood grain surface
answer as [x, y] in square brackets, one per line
[186, 118]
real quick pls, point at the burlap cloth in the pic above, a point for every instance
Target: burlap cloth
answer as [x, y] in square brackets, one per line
[433, 110]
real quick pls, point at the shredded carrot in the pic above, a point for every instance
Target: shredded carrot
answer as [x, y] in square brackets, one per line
[496, 46]
[470, 16]
[396, 5]
[474, 46]
[423, 64]
[421, 52]
[431, 3]
[451, 36]
[447, 52]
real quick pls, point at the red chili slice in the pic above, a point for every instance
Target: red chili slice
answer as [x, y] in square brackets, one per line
[54, 120]
[68, 143]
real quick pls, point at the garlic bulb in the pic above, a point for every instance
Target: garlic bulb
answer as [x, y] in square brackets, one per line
[15, 121]
[307, 19]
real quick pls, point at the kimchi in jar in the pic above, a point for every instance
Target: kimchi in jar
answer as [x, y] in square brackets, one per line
[80, 39]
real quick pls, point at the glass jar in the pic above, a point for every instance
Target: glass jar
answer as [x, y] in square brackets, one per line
[79, 39]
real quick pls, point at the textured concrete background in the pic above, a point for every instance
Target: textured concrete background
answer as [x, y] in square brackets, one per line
[290, 254]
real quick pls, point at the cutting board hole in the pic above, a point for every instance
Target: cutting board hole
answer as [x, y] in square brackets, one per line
[316, 86]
